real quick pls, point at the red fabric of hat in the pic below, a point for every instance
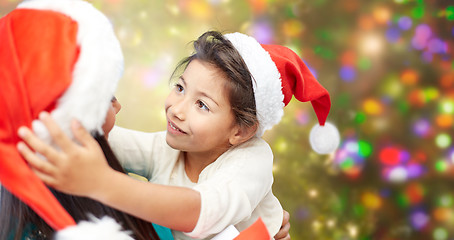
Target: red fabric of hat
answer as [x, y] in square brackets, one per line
[37, 54]
[298, 81]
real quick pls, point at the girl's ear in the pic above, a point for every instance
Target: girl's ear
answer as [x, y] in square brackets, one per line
[241, 134]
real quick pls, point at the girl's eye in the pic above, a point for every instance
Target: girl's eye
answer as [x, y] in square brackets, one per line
[179, 88]
[202, 106]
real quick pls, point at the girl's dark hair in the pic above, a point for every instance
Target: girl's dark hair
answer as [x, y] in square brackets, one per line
[17, 218]
[213, 48]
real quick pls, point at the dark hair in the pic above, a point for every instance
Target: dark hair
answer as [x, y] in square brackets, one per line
[15, 215]
[213, 48]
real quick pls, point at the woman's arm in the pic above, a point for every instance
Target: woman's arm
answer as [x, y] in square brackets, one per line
[81, 169]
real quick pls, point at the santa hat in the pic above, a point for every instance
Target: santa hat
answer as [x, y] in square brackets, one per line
[278, 75]
[59, 56]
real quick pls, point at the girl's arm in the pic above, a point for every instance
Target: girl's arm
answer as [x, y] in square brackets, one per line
[81, 169]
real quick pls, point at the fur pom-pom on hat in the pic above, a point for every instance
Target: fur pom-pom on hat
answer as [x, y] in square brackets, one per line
[279, 74]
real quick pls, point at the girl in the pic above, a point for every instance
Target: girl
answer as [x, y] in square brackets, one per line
[212, 153]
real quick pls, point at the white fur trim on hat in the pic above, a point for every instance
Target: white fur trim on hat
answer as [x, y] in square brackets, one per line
[95, 229]
[266, 80]
[96, 72]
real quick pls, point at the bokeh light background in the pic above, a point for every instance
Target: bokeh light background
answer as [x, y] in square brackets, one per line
[389, 67]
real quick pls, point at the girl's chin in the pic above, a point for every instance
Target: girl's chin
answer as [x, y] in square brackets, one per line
[171, 142]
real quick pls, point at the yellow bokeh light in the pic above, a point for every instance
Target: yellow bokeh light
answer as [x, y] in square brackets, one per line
[313, 193]
[292, 28]
[381, 15]
[371, 200]
[372, 107]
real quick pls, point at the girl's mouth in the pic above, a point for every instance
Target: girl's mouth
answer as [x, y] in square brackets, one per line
[175, 128]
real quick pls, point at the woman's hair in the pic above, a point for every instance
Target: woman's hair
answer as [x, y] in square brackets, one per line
[213, 48]
[17, 218]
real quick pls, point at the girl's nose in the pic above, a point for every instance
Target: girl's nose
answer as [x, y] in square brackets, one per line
[178, 109]
[116, 106]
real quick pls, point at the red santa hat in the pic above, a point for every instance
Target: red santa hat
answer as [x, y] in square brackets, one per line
[59, 56]
[279, 74]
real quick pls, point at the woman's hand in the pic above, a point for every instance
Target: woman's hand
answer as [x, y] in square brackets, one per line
[74, 169]
[283, 233]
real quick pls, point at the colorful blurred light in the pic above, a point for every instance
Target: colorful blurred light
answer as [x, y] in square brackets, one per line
[415, 193]
[348, 58]
[366, 22]
[372, 107]
[302, 117]
[292, 28]
[350, 157]
[444, 214]
[198, 9]
[418, 11]
[444, 120]
[417, 98]
[446, 106]
[422, 127]
[446, 200]
[419, 219]
[381, 14]
[360, 117]
[364, 63]
[415, 170]
[347, 73]
[392, 156]
[436, 45]
[392, 34]
[262, 32]
[450, 156]
[409, 77]
[405, 23]
[280, 145]
[371, 44]
[397, 174]
[450, 13]
[443, 140]
[441, 166]
[371, 200]
[422, 35]
[365, 149]
[431, 93]
[447, 80]
[258, 6]
[440, 234]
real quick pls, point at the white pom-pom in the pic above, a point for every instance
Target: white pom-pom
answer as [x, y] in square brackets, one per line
[95, 229]
[324, 139]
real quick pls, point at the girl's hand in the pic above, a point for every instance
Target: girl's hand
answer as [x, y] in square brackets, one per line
[75, 169]
[283, 233]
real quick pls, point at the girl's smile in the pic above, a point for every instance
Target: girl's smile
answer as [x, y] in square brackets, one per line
[173, 129]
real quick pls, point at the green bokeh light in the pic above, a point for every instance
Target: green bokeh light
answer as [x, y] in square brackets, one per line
[365, 148]
[441, 166]
[450, 13]
[360, 117]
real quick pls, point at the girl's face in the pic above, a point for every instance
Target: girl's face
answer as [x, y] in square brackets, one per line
[110, 117]
[199, 115]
